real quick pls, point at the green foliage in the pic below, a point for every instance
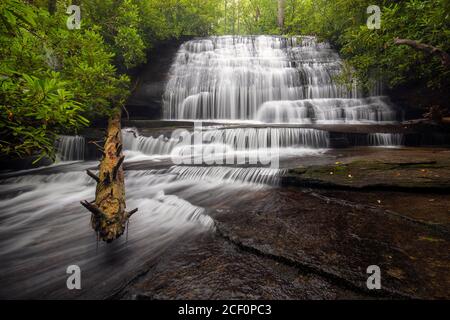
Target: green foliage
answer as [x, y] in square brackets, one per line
[14, 15]
[131, 27]
[372, 53]
[118, 22]
[33, 110]
[176, 18]
[55, 80]
[247, 17]
[52, 79]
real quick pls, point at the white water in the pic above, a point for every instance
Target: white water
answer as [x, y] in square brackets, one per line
[386, 139]
[226, 139]
[44, 229]
[132, 141]
[70, 148]
[327, 111]
[269, 79]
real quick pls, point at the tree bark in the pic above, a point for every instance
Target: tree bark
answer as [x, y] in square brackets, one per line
[109, 215]
[444, 56]
[52, 6]
[281, 7]
[226, 26]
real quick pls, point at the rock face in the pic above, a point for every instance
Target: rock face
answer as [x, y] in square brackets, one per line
[313, 243]
[396, 169]
[146, 100]
[287, 244]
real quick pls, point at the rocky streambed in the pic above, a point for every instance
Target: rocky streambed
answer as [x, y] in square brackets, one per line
[315, 236]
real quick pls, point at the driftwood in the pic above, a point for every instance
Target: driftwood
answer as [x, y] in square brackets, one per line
[109, 215]
[444, 56]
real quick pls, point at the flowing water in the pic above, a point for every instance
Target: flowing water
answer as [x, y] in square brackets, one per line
[386, 139]
[70, 148]
[243, 80]
[266, 79]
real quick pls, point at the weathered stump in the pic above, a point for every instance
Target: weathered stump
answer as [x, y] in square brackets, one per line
[109, 216]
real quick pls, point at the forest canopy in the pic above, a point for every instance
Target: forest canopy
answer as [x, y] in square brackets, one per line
[371, 53]
[55, 80]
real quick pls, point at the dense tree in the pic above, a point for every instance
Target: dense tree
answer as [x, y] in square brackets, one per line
[373, 54]
[281, 14]
[55, 80]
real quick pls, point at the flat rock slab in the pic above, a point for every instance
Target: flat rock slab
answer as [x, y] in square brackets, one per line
[408, 168]
[425, 208]
[212, 268]
[283, 243]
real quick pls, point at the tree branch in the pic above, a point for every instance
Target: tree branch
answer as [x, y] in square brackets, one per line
[93, 209]
[444, 56]
[93, 175]
[129, 214]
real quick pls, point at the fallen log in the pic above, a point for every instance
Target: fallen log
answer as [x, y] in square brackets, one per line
[109, 216]
[444, 56]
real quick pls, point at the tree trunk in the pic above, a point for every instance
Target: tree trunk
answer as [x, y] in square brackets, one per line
[109, 217]
[52, 6]
[225, 31]
[234, 17]
[281, 7]
[444, 56]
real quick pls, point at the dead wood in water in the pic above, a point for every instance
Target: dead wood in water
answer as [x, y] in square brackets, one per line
[109, 215]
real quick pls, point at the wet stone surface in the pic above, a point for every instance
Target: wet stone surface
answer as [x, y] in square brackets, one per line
[371, 168]
[212, 268]
[286, 244]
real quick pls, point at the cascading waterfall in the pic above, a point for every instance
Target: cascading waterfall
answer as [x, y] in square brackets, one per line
[326, 111]
[213, 174]
[226, 139]
[253, 80]
[255, 138]
[70, 148]
[385, 139]
[133, 141]
[227, 174]
[41, 218]
[266, 79]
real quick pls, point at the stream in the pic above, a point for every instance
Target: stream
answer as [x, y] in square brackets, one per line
[252, 90]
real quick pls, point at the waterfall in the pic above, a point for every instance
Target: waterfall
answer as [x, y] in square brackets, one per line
[267, 86]
[267, 79]
[227, 174]
[235, 139]
[133, 141]
[70, 148]
[255, 138]
[385, 139]
[226, 146]
[325, 111]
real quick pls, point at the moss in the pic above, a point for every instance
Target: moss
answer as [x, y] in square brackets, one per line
[430, 239]
[364, 173]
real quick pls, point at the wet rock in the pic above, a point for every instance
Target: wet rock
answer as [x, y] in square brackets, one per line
[146, 100]
[283, 243]
[212, 268]
[340, 242]
[400, 169]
